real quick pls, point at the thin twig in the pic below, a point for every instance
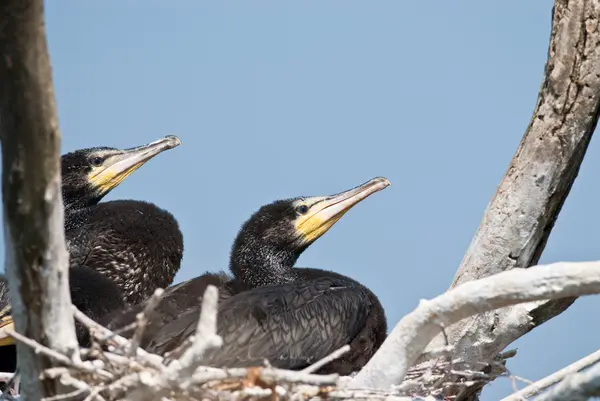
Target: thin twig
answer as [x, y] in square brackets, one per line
[40, 349]
[324, 361]
[142, 320]
[205, 338]
[268, 375]
[554, 378]
[151, 359]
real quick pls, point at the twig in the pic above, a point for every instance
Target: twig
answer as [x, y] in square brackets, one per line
[412, 334]
[554, 378]
[268, 375]
[151, 359]
[40, 349]
[329, 358]
[142, 320]
[575, 387]
[205, 338]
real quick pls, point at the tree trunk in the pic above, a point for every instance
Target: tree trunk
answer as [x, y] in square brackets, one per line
[518, 220]
[35, 254]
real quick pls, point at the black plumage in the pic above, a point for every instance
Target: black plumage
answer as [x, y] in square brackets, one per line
[269, 309]
[120, 251]
[135, 243]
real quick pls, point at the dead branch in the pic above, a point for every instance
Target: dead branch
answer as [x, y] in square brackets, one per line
[541, 385]
[518, 220]
[575, 387]
[142, 320]
[148, 359]
[36, 256]
[412, 334]
[329, 358]
[180, 371]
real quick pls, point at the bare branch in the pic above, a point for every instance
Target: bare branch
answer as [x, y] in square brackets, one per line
[142, 320]
[329, 358]
[411, 335]
[205, 338]
[35, 254]
[541, 385]
[575, 387]
[64, 360]
[150, 359]
[520, 217]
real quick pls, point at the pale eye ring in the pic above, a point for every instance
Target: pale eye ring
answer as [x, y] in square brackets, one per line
[96, 161]
[302, 209]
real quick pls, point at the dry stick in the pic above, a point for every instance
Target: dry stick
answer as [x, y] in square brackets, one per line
[411, 335]
[268, 375]
[178, 374]
[554, 378]
[40, 349]
[205, 338]
[151, 359]
[329, 358]
[575, 387]
[142, 320]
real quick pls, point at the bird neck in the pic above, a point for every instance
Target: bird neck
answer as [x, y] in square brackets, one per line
[76, 217]
[258, 265]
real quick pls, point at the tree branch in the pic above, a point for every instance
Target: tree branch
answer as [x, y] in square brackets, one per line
[411, 335]
[35, 254]
[575, 387]
[518, 220]
[541, 385]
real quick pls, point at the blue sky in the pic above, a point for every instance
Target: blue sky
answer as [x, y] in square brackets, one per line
[280, 99]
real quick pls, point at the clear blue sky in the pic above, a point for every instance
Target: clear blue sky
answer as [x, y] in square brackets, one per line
[279, 99]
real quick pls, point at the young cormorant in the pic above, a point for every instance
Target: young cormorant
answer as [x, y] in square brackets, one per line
[136, 244]
[271, 310]
[91, 292]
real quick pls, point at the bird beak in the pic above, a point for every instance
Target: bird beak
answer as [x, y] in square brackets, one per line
[119, 166]
[6, 324]
[324, 212]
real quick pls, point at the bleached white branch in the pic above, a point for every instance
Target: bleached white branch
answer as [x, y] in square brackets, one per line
[412, 334]
[575, 387]
[151, 359]
[76, 363]
[205, 338]
[541, 385]
[142, 320]
[329, 358]
[179, 372]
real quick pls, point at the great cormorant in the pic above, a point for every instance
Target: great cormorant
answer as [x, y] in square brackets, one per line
[271, 310]
[91, 292]
[136, 244]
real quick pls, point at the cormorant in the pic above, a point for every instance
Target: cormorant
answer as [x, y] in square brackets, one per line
[91, 292]
[271, 310]
[136, 244]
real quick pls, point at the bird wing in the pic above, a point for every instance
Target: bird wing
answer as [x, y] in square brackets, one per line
[291, 325]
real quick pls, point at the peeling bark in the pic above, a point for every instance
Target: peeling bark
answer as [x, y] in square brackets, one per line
[518, 220]
[35, 254]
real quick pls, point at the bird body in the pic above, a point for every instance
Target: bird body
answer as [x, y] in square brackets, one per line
[135, 243]
[269, 309]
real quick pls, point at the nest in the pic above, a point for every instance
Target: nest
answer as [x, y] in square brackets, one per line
[115, 368]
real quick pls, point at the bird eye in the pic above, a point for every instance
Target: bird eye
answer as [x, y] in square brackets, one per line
[96, 161]
[302, 209]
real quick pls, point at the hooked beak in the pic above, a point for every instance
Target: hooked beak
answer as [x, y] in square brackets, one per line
[326, 211]
[6, 324]
[120, 166]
